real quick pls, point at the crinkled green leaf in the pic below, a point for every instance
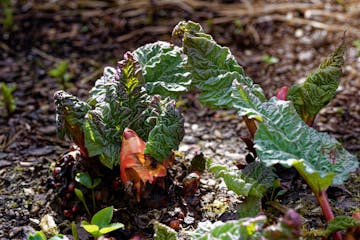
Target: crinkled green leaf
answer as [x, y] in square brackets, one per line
[340, 223]
[247, 101]
[129, 70]
[319, 87]
[250, 207]
[70, 112]
[163, 68]
[106, 88]
[245, 228]
[252, 182]
[118, 101]
[103, 134]
[163, 232]
[282, 137]
[213, 67]
[167, 133]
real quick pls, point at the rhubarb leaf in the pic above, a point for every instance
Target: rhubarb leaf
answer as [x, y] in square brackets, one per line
[70, 112]
[117, 101]
[244, 228]
[213, 67]
[163, 68]
[120, 102]
[163, 232]
[282, 137]
[167, 133]
[254, 180]
[319, 87]
[340, 223]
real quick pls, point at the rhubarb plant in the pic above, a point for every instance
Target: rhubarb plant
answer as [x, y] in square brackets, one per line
[119, 100]
[281, 136]
[118, 107]
[125, 119]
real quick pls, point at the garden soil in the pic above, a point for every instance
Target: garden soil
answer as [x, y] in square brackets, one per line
[277, 42]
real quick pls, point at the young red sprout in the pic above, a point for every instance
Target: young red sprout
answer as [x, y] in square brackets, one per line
[136, 168]
[282, 93]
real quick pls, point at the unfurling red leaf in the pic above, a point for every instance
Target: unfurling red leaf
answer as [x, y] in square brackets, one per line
[135, 166]
[282, 93]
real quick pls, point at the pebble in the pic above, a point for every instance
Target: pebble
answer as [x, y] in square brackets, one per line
[189, 220]
[306, 56]
[190, 139]
[4, 163]
[42, 151]
[299, 33]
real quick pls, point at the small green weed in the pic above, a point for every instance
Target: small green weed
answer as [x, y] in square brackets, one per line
[61, 73]
[7, 99]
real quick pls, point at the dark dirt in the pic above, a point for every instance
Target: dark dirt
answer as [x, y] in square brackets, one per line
[93, 34]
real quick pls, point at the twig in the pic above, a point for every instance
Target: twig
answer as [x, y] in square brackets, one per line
[45, 55]
[92, 76]
[11, 140]
[239, 10]
[315, 24]
[152, 29]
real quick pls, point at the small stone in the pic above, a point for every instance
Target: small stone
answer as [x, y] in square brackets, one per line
[28, 191]
[306, 56]
[299, 33]
[48, 225]
[189, 220]
[42, 151]
[218, 134]
[194, 127]
[4, 163]
[190, 139]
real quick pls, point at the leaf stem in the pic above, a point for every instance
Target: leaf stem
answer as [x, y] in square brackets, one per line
[93, 199]
[251, 125]
[326, 209]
